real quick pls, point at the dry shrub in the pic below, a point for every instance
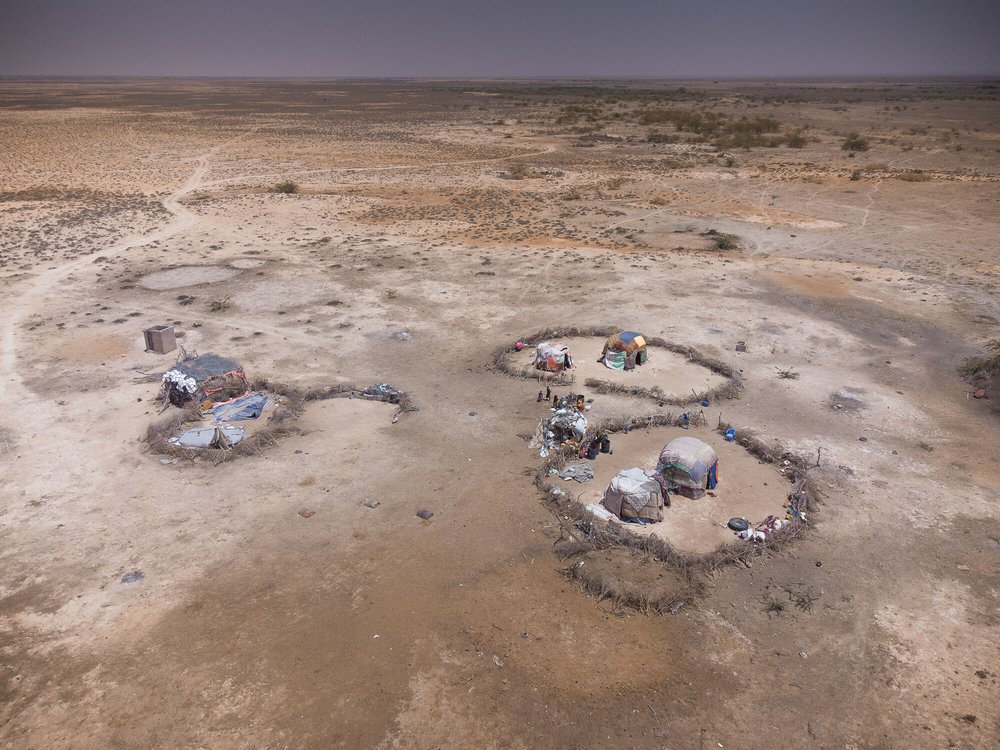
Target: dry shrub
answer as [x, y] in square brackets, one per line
[915, 175]
[980, 368]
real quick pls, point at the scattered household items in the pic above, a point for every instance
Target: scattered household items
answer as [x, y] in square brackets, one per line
[306, 513]
[635, 494]
[246, 407]
[133, 576]
[370, 502]
[741, 346]
[382, 392]
[730, 435]
[224, 437]
[598, 444]
[738, 524]
[581, 472]
[762, 530]
[160, 339]
[519, 346]
[552, 357]
[215, 379]
[424, 514]
[690, 465]
[565, 428]
[623, 351]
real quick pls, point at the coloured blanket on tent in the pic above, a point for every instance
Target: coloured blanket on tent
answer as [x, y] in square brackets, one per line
[627, 341]
[689, 462]
[614, 360]
[219, 378]
[634, 493]
[552, 357]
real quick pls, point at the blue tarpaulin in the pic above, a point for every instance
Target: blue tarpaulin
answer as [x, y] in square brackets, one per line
[246, 407]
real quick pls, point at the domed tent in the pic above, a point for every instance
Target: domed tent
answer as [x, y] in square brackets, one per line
[689, 464]
[552, 357]
[205, 378]
[634, 494]
[623, 351]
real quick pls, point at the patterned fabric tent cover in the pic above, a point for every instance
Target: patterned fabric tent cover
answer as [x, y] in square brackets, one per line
[634, 493]
[219, 378]
[688, 462]
[627, 341]
[552, 357]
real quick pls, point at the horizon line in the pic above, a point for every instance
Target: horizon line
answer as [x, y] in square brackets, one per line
[554, 77]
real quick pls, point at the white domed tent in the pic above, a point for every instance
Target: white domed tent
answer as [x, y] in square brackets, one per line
[690, 464]
[634, 494]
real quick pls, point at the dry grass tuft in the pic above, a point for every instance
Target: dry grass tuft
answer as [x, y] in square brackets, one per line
[980, 368]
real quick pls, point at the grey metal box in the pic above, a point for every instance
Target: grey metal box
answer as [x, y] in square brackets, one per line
[160, 339]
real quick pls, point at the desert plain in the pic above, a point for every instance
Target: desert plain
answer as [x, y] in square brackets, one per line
[844, 231]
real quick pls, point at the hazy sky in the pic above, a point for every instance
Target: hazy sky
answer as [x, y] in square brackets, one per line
[656, 38]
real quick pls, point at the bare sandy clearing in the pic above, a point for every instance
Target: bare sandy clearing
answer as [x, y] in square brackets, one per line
[747, 488]
[178, 278]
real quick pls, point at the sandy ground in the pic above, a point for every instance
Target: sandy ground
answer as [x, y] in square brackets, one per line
[672, 373]
[747, 488]
[414, 247]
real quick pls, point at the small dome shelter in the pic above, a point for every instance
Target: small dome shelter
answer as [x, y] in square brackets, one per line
[553, 357]
[206, 378]
[623, 351]
[635, 495]
[690, 465]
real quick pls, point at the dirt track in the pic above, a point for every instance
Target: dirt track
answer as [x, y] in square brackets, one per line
[870, 275]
